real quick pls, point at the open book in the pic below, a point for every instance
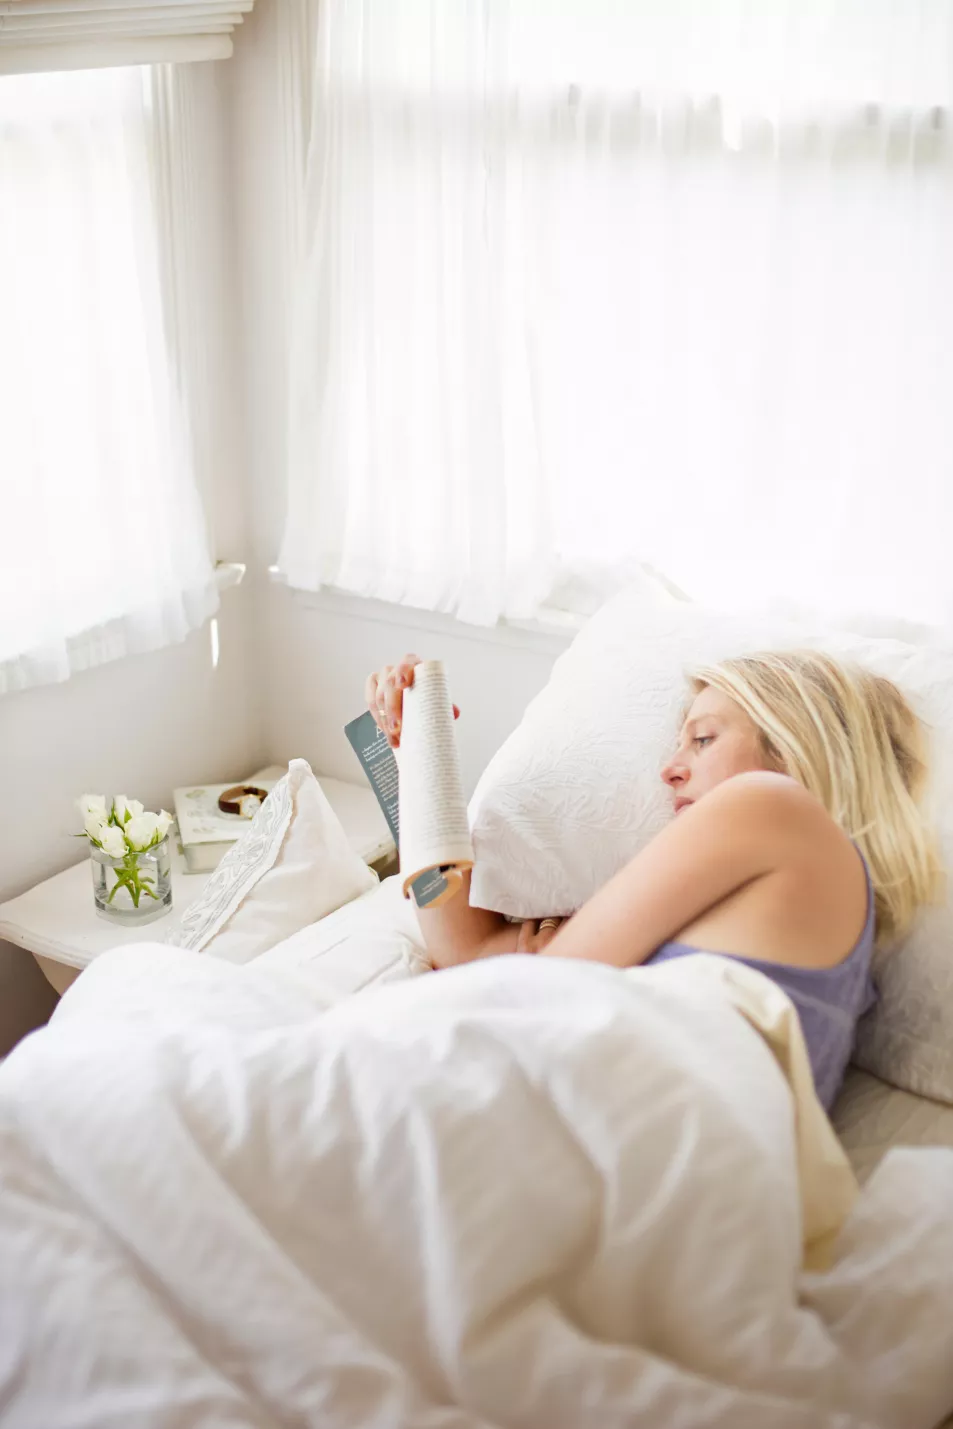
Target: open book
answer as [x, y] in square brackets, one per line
[419, 787]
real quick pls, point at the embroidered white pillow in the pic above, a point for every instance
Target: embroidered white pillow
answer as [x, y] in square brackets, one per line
[575, 792]
[293, 866]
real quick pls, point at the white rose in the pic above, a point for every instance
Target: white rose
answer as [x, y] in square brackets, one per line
[126, 809]
[94, 825]
[141, 831]
[113, 841]
[92, 804]
[165, 823]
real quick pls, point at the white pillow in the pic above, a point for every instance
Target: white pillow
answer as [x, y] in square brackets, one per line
[373, 940]
[293, 866]
[575, 792]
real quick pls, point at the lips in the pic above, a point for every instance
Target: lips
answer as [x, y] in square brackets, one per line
[681, 804]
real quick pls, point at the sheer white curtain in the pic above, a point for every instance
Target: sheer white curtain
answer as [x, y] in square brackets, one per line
[608, 283]
[103, 536]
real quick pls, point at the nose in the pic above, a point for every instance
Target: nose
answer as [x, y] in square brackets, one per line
[674, 774]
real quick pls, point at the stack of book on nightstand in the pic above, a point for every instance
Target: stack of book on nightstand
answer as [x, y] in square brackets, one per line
[206, 833]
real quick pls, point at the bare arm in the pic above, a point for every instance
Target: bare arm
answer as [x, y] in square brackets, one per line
[454, 932]
[743, 831]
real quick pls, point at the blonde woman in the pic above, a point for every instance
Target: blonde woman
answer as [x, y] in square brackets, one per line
[797, 843]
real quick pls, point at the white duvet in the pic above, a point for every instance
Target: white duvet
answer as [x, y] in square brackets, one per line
[521, 1193]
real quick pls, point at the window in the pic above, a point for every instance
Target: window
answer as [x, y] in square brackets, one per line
[631, 284]
[103, 541]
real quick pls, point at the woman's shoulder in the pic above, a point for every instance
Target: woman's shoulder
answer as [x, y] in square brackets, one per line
[778, 809]
[811, 906]
[762, 793]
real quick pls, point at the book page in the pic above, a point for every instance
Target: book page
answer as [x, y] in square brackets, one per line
[377, 760]
[434, 832]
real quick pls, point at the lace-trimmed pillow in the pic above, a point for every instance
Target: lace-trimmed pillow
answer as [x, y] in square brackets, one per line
[293, 866]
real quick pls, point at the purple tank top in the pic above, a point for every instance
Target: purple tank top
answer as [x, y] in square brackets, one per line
[828, 1000]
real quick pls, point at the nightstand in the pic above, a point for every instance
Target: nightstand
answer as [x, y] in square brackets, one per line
[57, 923]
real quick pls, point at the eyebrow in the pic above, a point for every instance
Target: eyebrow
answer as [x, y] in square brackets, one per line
[691, 724]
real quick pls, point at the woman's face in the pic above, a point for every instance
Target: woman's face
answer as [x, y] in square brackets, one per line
[718, 740]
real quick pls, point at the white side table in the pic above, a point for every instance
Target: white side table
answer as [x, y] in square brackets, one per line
[56, 921]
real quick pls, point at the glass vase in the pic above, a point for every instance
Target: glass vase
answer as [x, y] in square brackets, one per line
[135, 889]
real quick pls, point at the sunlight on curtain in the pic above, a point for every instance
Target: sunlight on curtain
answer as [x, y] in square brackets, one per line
[587, 286]
[104, 545]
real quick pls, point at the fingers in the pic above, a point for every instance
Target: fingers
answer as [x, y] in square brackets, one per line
[534, 935]
[384, 693]
[370, 693]
[405, 668]
[390, 698]
[547, 931]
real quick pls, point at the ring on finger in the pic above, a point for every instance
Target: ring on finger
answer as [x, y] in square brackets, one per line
[549, 923]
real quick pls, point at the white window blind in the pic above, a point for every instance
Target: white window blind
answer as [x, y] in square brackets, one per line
[49, 35]
[600, 284]
[104, 543]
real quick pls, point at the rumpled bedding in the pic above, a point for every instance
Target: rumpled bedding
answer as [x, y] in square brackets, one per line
[524, 1192]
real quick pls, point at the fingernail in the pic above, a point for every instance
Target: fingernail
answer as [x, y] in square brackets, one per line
[394, 725]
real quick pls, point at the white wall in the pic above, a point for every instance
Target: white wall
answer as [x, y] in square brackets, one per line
[315, 652]
[138, 726]
[321, 650]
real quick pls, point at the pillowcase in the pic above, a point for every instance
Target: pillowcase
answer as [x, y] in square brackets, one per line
[576, 791]
[292, 866]
[373, 940]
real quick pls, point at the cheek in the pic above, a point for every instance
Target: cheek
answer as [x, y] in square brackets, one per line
[748, 756]
[735, 757]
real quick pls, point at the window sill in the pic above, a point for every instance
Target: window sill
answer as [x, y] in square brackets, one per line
[552, 630]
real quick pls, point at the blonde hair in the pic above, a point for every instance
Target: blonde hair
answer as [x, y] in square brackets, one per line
[851, 738]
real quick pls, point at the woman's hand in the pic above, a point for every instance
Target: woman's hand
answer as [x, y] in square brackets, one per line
[535, 934]
[384, 692]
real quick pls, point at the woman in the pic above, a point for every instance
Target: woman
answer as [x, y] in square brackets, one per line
[798, 842]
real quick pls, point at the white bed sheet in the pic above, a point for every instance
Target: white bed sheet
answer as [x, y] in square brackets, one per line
[376, 939]
[506, 1189]
[871, 1118]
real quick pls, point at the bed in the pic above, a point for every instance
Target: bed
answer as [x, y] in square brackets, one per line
[870, 1117]
[262, 1226]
